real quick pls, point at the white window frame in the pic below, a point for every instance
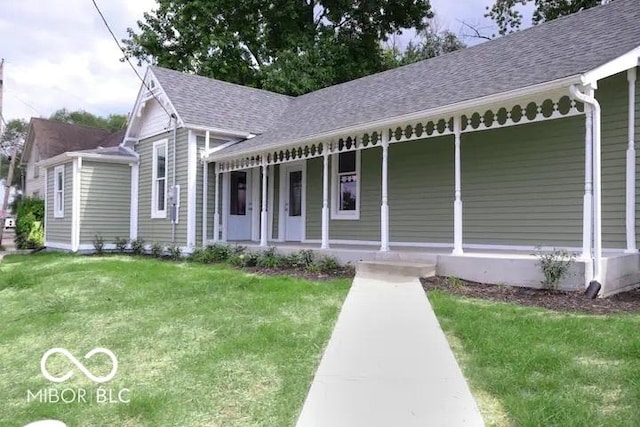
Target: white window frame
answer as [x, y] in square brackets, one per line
[58, 193]
[335, 193]
[155, 212]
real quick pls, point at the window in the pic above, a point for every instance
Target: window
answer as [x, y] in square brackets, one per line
[238, 193]
[346, 186]
[58, 192]
[159, 180]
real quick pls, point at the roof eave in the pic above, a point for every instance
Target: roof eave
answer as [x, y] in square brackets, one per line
[440, 111]
[622, 63]
[107, 158]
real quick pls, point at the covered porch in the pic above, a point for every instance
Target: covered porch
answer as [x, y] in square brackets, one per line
[342, 194]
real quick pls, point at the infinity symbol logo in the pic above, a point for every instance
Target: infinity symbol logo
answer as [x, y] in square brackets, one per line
[79, 365]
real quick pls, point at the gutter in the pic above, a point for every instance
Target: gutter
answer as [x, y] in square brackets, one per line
[589, 99]
[61, 158]
[419, 115]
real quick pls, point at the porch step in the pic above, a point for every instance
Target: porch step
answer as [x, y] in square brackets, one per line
[395, 268]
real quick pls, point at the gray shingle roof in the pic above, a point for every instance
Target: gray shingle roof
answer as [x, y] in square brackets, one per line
[207, 102]
[565, 47]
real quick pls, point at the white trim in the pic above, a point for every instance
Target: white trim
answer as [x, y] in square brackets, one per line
[133, 220]
[58, 193]
[155, 213]
[418, 115]
[264, 213]
[75, 204]
[65, 157]
[216, 208]
[225, 205]
[632, 76]
[335, 193]
[457, 193]
[221, 131]
[192, 173]
[56, 245]
[84, 247]
[618, 65]
[384, 207]
[325, 200]
[281, 202]
[205, 201]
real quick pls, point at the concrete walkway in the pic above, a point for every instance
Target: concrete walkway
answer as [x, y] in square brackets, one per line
[388, 364]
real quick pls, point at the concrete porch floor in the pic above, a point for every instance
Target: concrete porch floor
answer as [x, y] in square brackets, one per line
[621, 271]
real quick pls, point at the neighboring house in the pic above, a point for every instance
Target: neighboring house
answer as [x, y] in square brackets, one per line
[49, 138]
[470, 160]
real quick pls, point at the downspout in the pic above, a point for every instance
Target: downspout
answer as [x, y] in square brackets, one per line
[174, 202]
[590, 100]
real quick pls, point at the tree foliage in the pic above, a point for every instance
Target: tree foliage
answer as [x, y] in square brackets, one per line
[13, 138]
[505, 14]
[112, 122]
[431, 43]
[290, 47]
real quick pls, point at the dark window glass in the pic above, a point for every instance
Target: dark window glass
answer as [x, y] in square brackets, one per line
[348, 190]
[347, 162]
[295, 193]
[160, 195]
[238, 192]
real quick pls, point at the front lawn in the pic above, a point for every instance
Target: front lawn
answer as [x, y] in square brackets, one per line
[536, 367]
[197, 345]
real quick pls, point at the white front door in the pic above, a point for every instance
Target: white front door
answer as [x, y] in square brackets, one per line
[239, 205]
[294, 203]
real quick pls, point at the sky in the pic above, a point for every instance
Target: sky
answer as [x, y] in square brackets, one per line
[58, 53]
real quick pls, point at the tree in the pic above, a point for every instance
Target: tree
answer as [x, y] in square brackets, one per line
[509, 19]
[290, 47]
[13, 138]
[112, 122]
[431, 43]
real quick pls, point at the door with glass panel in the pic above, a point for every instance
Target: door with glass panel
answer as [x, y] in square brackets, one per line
[293, 202]
[239, 211]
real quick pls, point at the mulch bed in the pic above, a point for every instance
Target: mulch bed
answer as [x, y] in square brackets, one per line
[574, 301]
[346, 273]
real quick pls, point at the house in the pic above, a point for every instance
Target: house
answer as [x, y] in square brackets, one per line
[49, 138]
[470, 160]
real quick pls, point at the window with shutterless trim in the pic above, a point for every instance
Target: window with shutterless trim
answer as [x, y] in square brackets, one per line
[159, 180]
[58, 192]
[345, 201]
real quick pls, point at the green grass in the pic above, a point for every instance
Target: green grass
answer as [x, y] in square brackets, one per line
[197, 345]
[535, 367]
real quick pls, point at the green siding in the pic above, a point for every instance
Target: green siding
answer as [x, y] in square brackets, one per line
[211, 199]
[368, 226]
[58, 230]
[159, 230]
[524, 185]
[612, 94]
[421, 183]
[105, 201]
[200, 144]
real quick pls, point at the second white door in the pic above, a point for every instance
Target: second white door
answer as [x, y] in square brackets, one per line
[294, 184]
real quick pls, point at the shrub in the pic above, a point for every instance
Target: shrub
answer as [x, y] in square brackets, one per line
[237, 260]
[301, 260]
[220, 253]
[98, 244]
[121, 244]
[250, 259]
[328, 265]
[157, 249]
[29, 223]
[175, 253]
[137, 246]
[555, 266]
[269, 259]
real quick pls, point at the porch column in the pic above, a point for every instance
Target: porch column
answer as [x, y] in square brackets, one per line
[205, 200]
[587, 209]
[457, 196]
[384, 209]
[631, 165]
[325, 197]
[264, 217]
[216, 208]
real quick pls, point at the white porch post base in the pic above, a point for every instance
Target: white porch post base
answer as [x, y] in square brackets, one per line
[457, 232]
[216, 208]
[325, 229]
[264, 218]
[384, 207]
[216, 227]
[384, 238]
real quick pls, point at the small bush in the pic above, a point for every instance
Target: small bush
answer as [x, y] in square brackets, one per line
[237, 260]
[555, 266]
[329, 265]
[301, 260]
[121, 244]
[219, 252]
[269, 259]
[175, 253]
[250, 259]
[157, 249]
[98, 244]
[29, 223]
[137, 246]
[454, 282]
